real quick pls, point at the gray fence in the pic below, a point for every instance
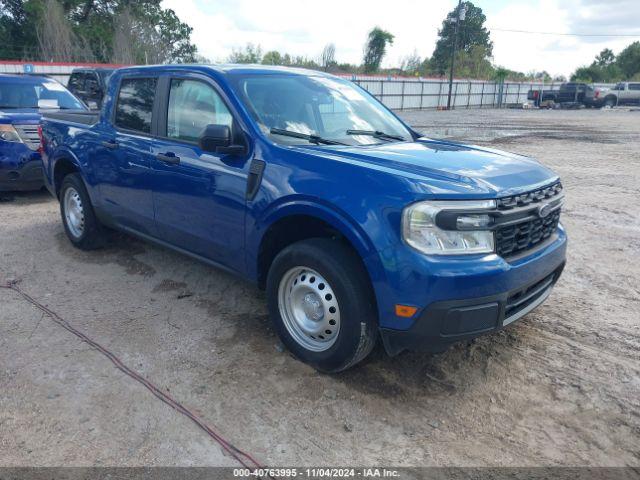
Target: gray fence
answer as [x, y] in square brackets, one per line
[395, 92]
[401, 94]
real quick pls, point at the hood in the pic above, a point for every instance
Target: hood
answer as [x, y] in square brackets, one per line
[476, 170]
[17, 116]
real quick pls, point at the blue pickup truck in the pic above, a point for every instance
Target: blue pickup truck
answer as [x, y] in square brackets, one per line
[358, 227]
[22, 101]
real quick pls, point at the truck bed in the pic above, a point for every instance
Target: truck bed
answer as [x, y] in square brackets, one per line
[87, 118]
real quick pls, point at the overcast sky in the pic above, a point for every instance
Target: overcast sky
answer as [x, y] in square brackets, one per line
[303, 27]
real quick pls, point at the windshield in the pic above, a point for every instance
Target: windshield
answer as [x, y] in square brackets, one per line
[27, 95]
[329, 109]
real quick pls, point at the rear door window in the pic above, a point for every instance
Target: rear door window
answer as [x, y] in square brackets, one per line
[634, 86]
[134, 106]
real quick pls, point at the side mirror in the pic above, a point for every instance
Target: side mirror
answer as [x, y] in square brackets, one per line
[217, 138]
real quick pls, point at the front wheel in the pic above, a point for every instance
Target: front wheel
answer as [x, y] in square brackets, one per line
[321, 304]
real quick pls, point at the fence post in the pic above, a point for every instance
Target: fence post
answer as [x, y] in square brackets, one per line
[455, 97]
[421, 94]
[482, 94]
[382, 91]
[402, 96]
[469, 95]
[439, 94]
[519, 87]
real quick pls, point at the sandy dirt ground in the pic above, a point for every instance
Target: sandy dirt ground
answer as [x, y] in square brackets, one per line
[559, 387]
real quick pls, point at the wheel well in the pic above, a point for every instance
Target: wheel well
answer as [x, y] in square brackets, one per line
[289, 230]
[63, 168]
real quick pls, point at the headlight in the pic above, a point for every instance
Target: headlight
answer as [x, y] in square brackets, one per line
[9, 134]
[420, 230]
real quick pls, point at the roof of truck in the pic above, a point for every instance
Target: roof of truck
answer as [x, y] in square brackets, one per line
[234, 69]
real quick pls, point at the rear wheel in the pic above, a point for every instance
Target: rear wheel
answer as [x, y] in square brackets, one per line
[609, 102]
[321, 304]
[80, 223]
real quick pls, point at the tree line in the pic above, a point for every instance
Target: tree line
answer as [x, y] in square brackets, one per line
[608, 67]
[142, 32]
[473, 59]
[104, 31]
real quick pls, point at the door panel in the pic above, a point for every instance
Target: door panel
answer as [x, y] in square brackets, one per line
[128, 193]
[199, 199]
[123, 171]
[200, 202]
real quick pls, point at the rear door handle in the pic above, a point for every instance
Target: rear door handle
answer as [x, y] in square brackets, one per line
[170, 159]
[109, 144]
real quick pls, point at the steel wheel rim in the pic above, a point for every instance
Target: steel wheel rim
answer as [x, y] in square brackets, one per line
[309, 309]
[73, 212]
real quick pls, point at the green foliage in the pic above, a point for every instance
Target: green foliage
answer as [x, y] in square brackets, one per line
[249, 54]
[155, 33]
[501, 73]
[272, 57]
[473, 63]
[18, 29]
[375, 49]
[473, 39]
[328, 57]
[607, 68]
[605, 58]
[412, 64]
[629, 60]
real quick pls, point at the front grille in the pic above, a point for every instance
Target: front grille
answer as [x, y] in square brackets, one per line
[522, 224]
[29, 135]
[523, 236]
[535, 196]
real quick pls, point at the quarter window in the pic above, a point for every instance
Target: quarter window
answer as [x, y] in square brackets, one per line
[192, 106]
[134, 107]
[634, 86]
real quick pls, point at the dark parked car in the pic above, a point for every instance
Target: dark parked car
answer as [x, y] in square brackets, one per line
[89, 84]
[22, 101]
[574, 93]
[539, 95]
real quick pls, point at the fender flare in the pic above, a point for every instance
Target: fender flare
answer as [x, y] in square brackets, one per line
[64, 153]
[338, 219]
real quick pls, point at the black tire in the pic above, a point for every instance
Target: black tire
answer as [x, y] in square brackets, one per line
[609, 102]
[344, 272]
[92, 235]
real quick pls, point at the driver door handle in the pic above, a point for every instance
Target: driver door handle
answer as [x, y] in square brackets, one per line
[170, 159]
[112, 144]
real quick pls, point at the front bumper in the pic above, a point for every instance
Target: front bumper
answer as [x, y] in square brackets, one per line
[20, 168]
[459, 298]
[444, 323]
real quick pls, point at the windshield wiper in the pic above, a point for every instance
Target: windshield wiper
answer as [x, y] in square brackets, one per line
[305, 136]
[375, 134]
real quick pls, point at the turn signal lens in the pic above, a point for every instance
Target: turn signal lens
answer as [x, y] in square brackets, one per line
[405, 311]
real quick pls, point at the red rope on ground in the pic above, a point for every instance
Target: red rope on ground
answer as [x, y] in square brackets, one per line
[242, 457]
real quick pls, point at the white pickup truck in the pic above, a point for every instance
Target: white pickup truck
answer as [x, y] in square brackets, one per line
[624, 93]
